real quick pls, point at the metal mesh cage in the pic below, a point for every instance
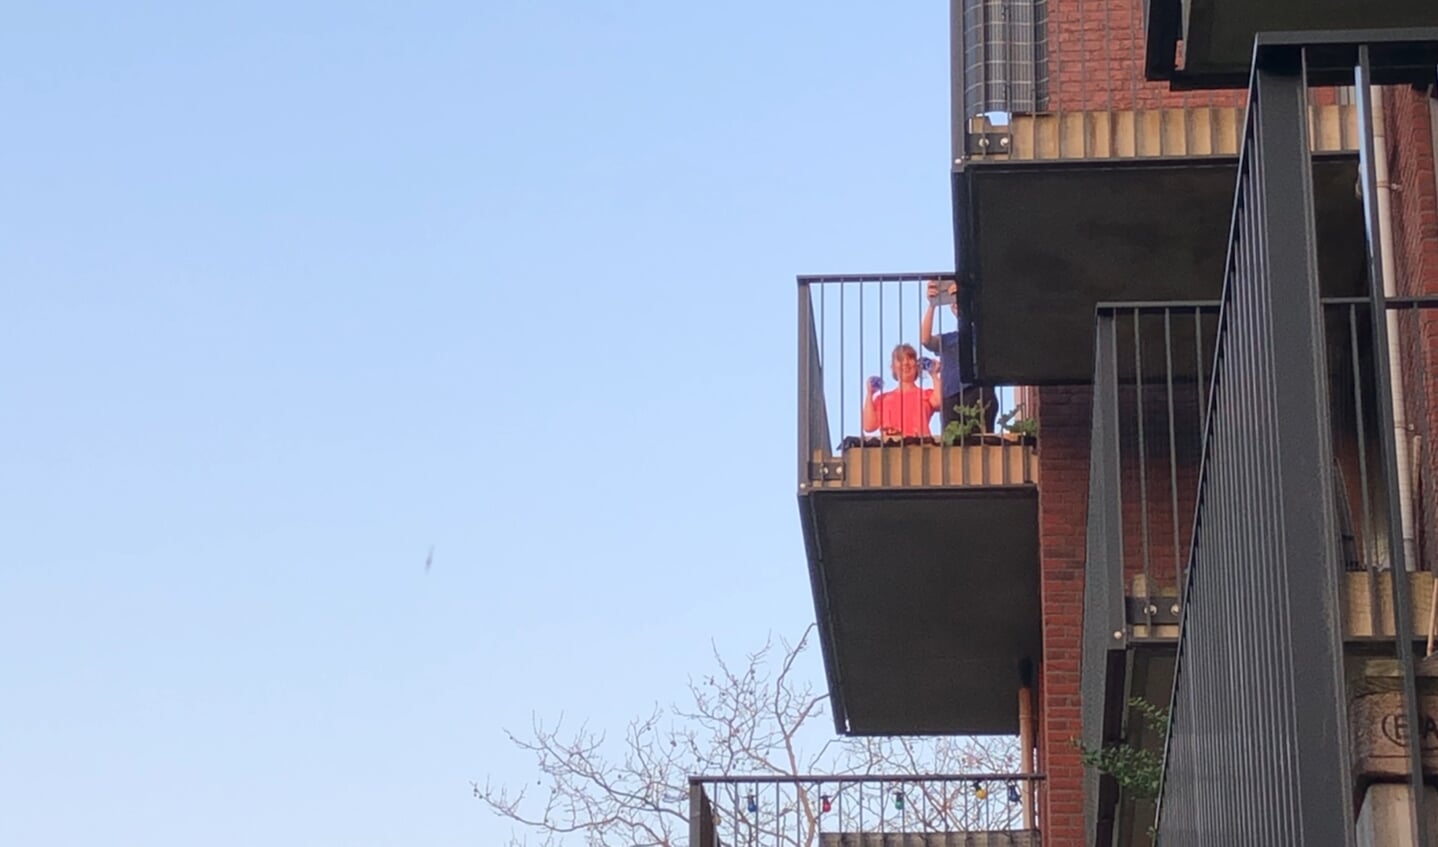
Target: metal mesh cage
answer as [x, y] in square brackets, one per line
[1005, 56]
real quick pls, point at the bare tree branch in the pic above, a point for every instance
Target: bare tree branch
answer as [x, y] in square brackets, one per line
[740, 720]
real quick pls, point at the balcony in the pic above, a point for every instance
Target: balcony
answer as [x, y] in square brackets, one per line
[1209, 43]
[1308, 576]
[1150, 396]
[1150, 382]
[1073, 185]
[923, 550]
[964, 810]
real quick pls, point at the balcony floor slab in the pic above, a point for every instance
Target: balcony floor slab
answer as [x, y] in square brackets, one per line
[928, 604]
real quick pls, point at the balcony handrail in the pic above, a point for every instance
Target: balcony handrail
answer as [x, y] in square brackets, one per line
[802, 810]
[807, 779]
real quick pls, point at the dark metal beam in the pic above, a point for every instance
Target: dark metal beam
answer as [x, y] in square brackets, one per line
[1378, 312]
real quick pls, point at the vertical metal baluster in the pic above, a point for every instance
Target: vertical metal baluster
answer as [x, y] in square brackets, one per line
[945, 455]
[843, 356]
[963, 452]
[1419, 357]
[1370, 553]
[862, 464]
[904, 411]
[823, 356]
[883, 447]
[734, 814]
[806, 445]
[1402, 608]
[1198, 357]
[1111, 343]
[1142, 463]
[803, 800]
[860, 792]
[1172, 440]
[925, 454]
[778, 810]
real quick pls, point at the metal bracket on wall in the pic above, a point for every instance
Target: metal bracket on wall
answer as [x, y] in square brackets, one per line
[1157, 610]
[829, 470]
[988, 143]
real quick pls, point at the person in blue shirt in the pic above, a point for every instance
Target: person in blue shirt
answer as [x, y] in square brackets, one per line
[956, 360]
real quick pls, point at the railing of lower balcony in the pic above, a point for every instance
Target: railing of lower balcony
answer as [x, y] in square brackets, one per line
[879, 359]
[1149, 383]
[1298, 536]
[927, 810]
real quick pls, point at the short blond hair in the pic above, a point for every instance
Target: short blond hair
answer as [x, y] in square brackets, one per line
[905, 350]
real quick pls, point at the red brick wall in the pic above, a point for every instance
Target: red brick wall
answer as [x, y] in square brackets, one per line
[1063, 514]
[1066, 427]
[1415, 203]
[1409, 131]
[1096, 57]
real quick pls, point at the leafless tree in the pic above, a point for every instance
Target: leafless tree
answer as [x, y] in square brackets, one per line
[757, 718]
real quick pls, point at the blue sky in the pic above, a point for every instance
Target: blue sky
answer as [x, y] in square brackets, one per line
[293, 291]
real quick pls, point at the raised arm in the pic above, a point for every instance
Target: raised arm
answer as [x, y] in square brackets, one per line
[926, 323]
[936, 396]
[870, 415]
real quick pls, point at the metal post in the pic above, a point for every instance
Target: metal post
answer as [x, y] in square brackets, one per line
[1105, 621]
[1026, 750]
[701, 817]
[806, 329]
[1259, 747]
[1308, 570]
[1378, 315]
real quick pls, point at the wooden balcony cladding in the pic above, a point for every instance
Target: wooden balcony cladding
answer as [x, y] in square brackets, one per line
[997, 461]
[1368, 604]
[1143, 134]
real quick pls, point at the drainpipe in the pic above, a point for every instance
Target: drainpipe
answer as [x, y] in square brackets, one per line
[1395, 352]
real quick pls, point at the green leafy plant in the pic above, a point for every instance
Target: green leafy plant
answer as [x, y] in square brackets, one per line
[1025, 427]
[1136, 770]
[970, 420]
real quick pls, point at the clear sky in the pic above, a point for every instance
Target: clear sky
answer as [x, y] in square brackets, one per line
[292, 291]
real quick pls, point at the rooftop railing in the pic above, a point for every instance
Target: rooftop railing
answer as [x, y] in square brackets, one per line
[878, 360]
[931, 810]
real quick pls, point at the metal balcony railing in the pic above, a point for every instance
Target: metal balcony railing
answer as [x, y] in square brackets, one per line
[927, 810]
[1150, 386]
[1150, 366]
[1150, 395]
[1297, 492]
[869, 414]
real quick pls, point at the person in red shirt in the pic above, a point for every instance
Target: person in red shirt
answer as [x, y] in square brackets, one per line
[906, 411]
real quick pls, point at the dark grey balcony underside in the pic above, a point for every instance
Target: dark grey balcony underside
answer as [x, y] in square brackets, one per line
[1219, 38]
[1041, 243]
[928, 606]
